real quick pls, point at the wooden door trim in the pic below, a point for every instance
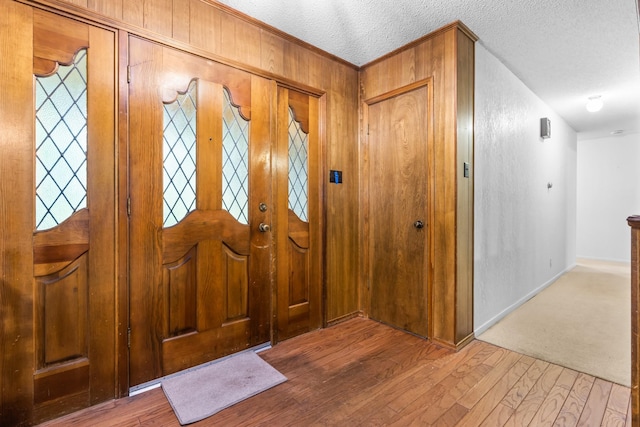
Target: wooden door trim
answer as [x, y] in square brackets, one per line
[365, 186]
[401, 90]
[16, 229]
[322, 199]
[122, 242]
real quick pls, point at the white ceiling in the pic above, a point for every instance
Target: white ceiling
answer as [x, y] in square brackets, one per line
[563, 50]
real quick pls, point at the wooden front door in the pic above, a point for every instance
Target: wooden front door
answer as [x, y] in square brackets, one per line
[299, 222]
[200, 210]
[58, 232]
[399, 140]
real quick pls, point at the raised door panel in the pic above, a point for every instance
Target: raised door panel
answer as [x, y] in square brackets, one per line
[199, 167]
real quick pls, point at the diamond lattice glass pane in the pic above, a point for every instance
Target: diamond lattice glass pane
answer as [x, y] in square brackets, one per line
[235, 154]
[298, 168]
[61, 143]
[179, 156]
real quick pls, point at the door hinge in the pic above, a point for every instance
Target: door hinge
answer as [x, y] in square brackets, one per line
[128, 73]
[128, 206]
[367, 129]
[128, 337]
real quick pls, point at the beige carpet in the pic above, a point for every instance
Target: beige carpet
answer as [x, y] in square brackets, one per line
[582, 321]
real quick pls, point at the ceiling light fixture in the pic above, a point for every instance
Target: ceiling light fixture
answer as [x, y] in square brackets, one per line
[594, 104]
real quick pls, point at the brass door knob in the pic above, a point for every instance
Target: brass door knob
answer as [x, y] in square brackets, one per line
[264, 227]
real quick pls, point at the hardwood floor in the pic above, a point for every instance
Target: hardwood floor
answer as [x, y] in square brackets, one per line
[362, 373]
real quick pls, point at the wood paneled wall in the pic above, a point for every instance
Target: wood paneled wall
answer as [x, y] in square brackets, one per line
[446, 56]
[215, 31]
[218, 33]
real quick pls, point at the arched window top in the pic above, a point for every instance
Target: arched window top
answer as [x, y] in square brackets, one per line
[298, 168]
[235, 161]
[61, 142]
[179, 156]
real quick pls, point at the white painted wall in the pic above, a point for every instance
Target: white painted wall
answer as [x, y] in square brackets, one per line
[525, 234]
[608, 192]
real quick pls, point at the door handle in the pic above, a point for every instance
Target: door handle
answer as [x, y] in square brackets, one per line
[418, 224]
[264, 227]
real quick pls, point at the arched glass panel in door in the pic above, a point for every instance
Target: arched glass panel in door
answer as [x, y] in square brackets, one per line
[235, 155]
[298, 169]
[61, 143]
[179, 156]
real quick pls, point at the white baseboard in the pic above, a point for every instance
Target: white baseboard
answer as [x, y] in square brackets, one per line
[482, 328]
[588, 258]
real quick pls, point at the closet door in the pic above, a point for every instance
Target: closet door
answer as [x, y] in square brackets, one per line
[399, 207]
[58, 241]
[200, 210]
[299, 216]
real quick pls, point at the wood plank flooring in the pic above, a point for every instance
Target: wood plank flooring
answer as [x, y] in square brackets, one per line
[362, 373]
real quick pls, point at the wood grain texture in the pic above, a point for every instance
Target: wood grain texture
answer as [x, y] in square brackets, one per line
[634, 223]
[122, 294]
[399, 132]
[204, 225]
[76, 306]
[530, 405]
[204, 26]
[106, 7]
[342, 201]
[56, 44]
[574, 404]
[464, 198]
[267, 52]
[210, 293]
[240, 40]
[363, 373]
[596, 403]
[271, 52]
[209, 128]
[101, 157]
[145, 178]
[552, 404]
[299, 244]
[157, 16]
[316, 187]
[56, 379]
[261, 276]
[446, 56]
[64, 243]
[132, 12]
[181, 19]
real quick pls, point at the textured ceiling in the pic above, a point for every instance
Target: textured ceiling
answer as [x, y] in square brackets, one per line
[563, 50]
